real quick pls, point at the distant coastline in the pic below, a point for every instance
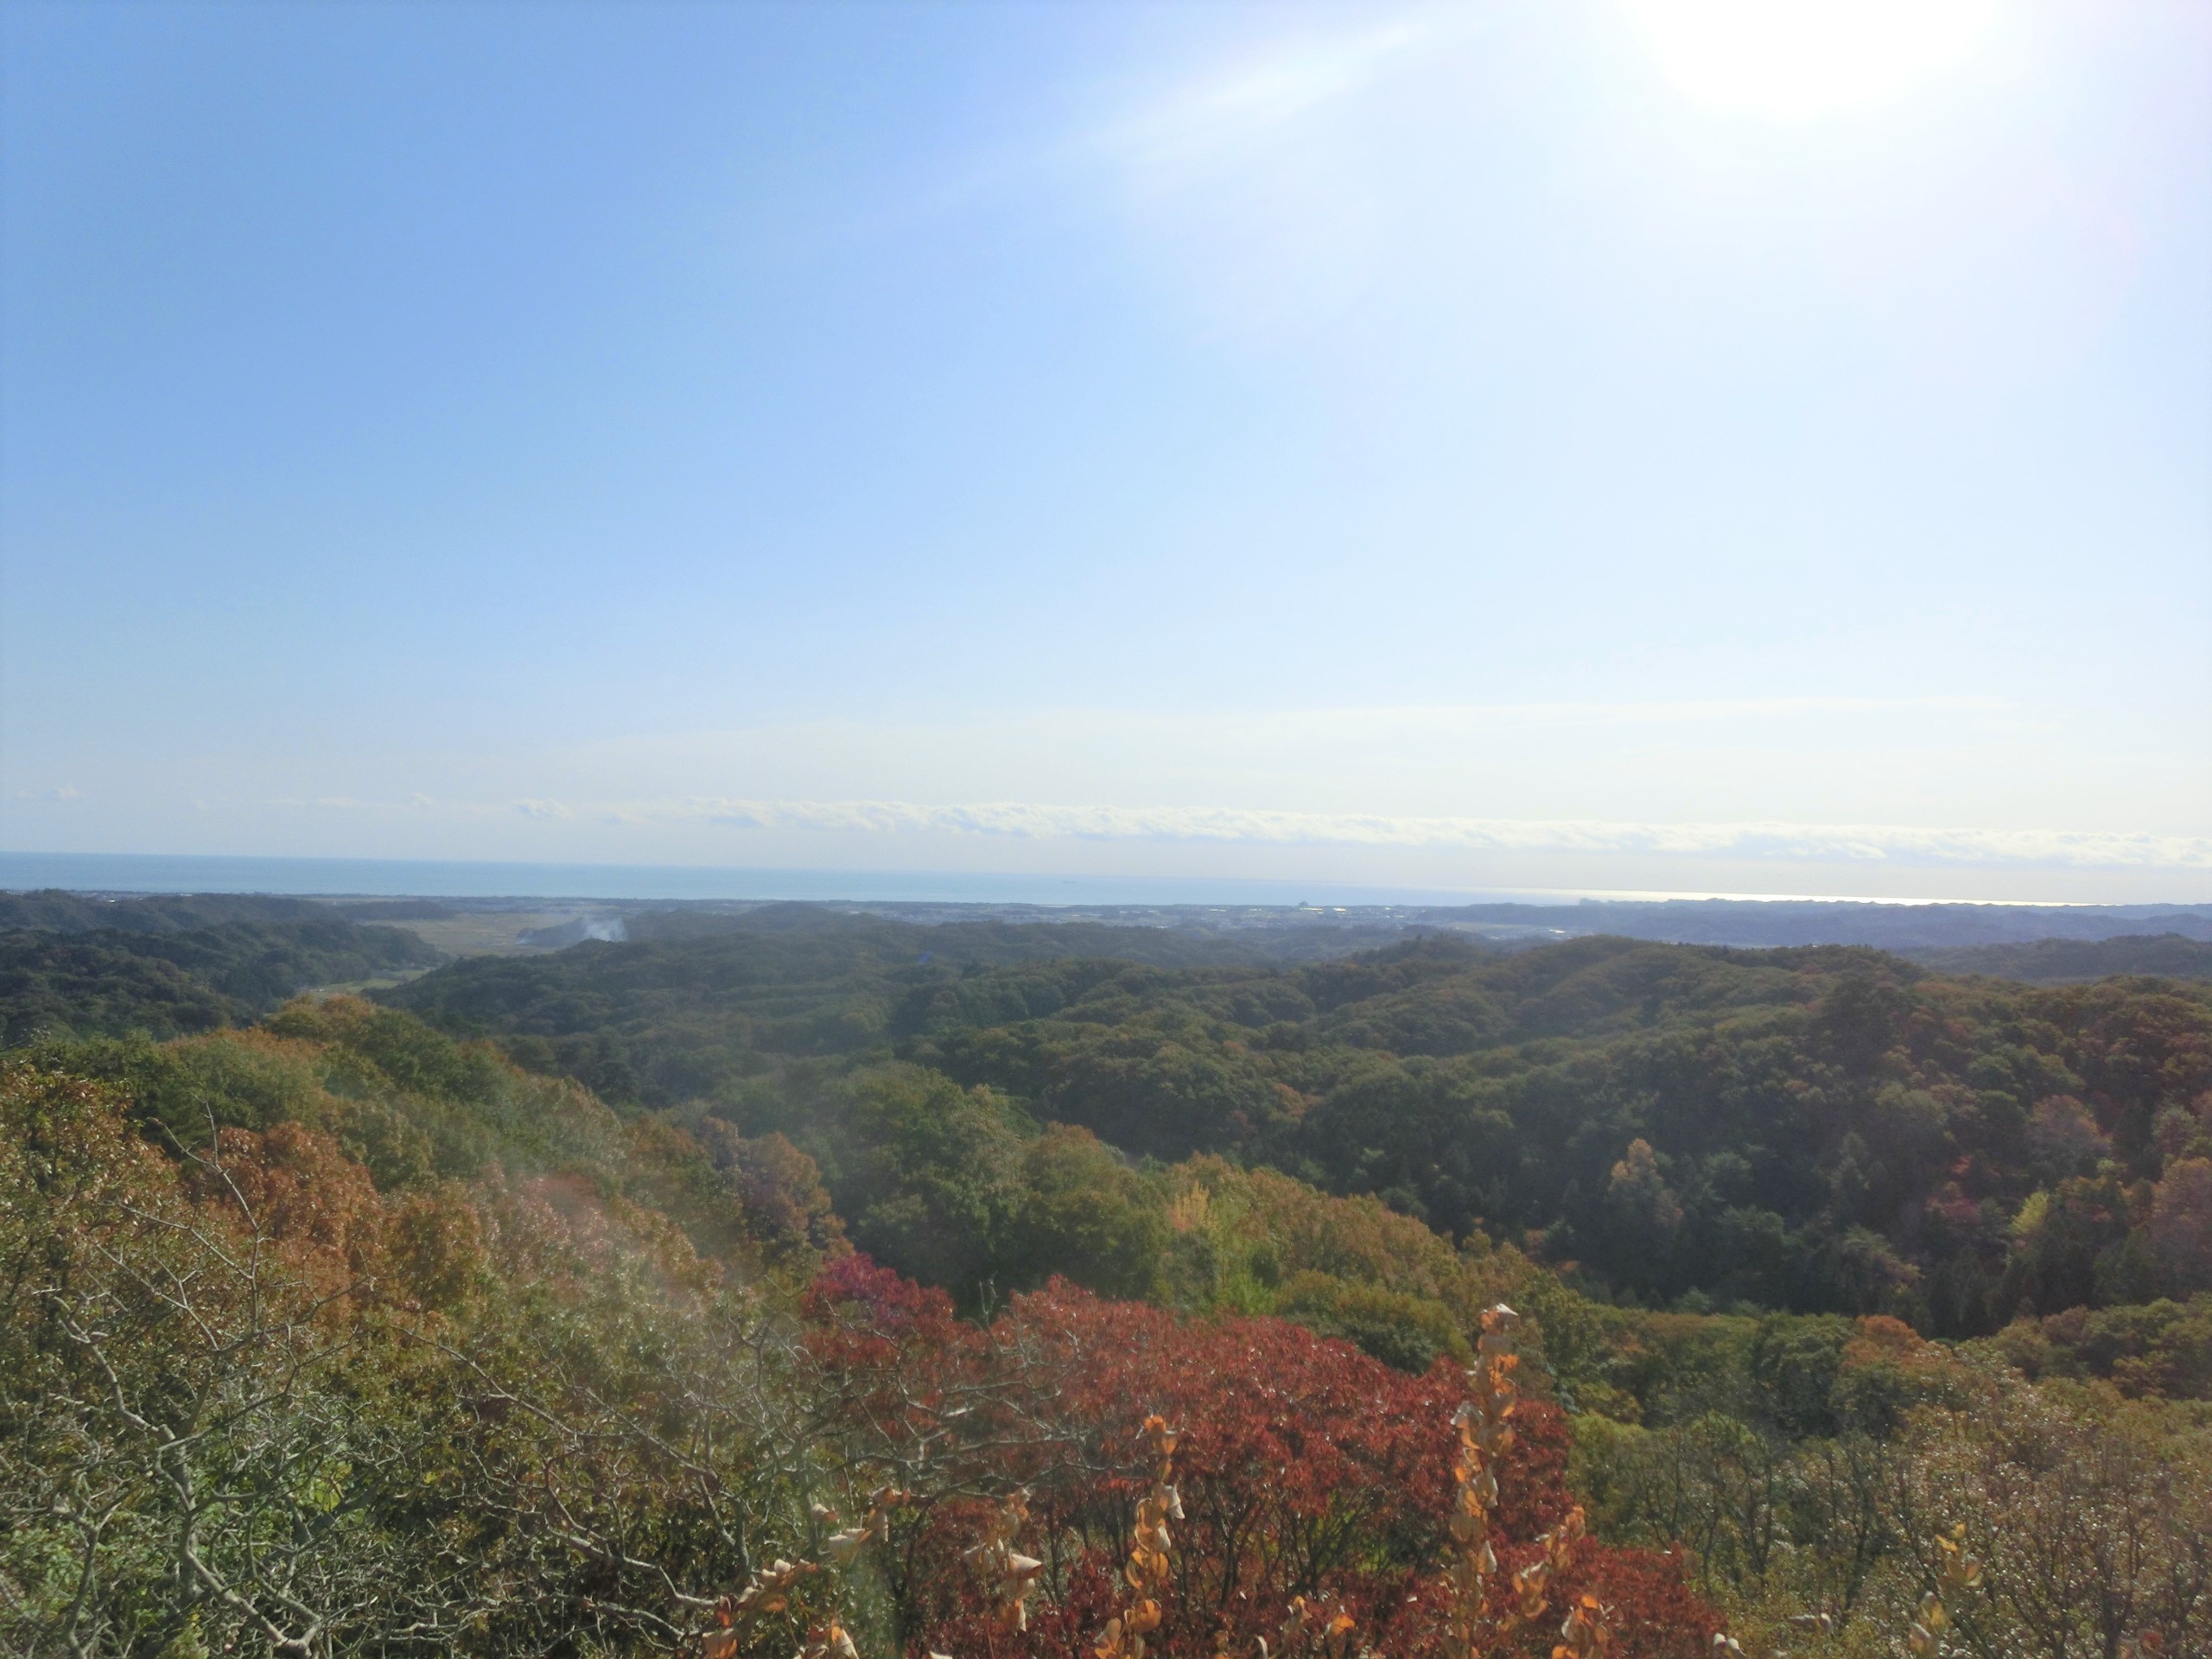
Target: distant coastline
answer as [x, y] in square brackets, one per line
[462, 878]
[470, 878]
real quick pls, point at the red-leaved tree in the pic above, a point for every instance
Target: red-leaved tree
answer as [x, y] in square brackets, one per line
[1314, 1481]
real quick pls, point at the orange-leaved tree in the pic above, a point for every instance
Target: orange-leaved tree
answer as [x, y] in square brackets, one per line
[1314, 1486]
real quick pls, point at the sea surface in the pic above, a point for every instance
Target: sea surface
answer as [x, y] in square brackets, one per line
[122, 873]
[379, 878]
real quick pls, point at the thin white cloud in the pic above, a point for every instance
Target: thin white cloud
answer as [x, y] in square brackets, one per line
[1853, 842]
[1479, 716]
[1685, 713]
[1765, 840]
[1207, 116]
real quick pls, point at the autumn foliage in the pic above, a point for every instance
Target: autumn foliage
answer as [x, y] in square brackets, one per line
[342, 1337]
[1314, 1484]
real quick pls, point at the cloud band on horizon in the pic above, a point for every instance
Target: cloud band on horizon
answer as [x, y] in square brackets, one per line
[1755, 840]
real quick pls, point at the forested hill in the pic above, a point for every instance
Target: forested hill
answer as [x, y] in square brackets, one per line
[2057, 962]
[1817, 1129]
[51, 911]
[1887, 926]
[1172, 936]
[71, 966]
[1813, 1128]
[693, 1002]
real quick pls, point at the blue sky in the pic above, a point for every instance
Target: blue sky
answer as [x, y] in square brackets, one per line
[1485, 445]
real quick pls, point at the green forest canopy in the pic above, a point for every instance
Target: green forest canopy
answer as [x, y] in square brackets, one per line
[1820, 1129]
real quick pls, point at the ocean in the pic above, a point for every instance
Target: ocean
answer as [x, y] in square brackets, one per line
[380, 878]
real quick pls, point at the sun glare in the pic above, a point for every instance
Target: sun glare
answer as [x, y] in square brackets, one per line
[1796, 58]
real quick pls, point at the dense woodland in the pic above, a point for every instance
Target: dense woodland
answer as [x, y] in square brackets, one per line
[2057, 962]
[1767, 922]
[1821, 1130]
[173, 966]
[805, 1281]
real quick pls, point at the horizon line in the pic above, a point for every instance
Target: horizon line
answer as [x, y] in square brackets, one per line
[1408, 896]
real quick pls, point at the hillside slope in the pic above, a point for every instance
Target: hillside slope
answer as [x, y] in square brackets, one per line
[1820, 1129]
[171, 976]
[2058, 962]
